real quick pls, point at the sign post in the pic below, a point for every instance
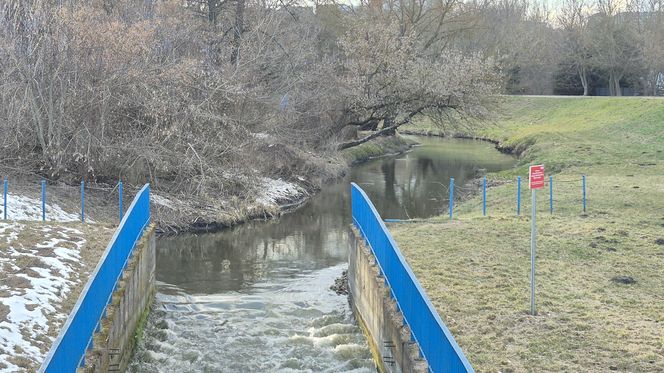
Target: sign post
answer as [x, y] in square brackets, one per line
[535, 181]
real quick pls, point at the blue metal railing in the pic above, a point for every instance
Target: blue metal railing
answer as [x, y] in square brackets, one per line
[436, 343]
[75, 338]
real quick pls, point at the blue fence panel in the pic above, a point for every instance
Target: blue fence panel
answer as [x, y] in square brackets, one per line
[436, 343]
[583, 186]
[451, 197]
[82, 201]
[4, 199]
[43, 199]
[76, 335]
[518, 195]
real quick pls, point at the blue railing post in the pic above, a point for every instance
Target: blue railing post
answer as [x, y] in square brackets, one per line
[82, 201]
[451, 197]
[518, 195]
[43, 196]
[4, 199]
[583, 182]
[120, 198]
[551, 194]
[484, 196]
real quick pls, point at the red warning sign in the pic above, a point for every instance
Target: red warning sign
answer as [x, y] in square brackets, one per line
[536, 177]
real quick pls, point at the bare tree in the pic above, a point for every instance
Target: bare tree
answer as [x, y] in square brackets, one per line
[614, 43]
[519, 36]
[573, 19]
[238, 29]
[390, 79]
[649, 23]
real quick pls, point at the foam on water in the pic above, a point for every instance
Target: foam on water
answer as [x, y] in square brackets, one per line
[298, 325]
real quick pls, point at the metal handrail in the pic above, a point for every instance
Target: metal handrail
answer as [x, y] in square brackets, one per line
[436, 343]
[68, 350]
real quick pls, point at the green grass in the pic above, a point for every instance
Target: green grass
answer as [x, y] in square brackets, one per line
[424, 126]
[377, 147]
[476, 269]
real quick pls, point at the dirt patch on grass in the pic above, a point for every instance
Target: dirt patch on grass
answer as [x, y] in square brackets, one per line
[625, 280]
[4, 311]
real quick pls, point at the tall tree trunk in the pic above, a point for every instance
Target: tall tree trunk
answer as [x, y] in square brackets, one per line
[583, 75]
[212, 11]
[238, 30]
[388, 126]
[654, 75]
[616, 82]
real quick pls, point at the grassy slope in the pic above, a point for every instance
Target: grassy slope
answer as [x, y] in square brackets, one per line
[476, 269]
[377, 148]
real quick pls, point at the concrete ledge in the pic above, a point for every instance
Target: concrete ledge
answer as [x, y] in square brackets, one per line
[114, 342]
[378, 315]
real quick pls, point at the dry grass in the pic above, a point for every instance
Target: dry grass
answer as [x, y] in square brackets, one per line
[27, 239]
[476, 269]
[97, 237]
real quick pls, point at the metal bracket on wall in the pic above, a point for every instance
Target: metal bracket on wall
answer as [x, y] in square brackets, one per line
[112, 353]
[389, 359]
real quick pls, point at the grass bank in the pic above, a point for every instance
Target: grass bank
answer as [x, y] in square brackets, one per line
[600, 274]
[376, 148]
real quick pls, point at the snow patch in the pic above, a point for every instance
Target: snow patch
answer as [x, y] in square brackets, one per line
[274, 191]
[161, 201]
[9, 230]
[25, 208]
[31, 295]
[260, 135]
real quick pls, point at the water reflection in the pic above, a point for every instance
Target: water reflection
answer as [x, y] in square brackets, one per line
[263, 287]
[415, 185]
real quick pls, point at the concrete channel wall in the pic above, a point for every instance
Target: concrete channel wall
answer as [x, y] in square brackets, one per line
[113, 344]
[376, 311]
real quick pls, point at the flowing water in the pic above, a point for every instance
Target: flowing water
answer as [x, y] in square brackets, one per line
[256, 298]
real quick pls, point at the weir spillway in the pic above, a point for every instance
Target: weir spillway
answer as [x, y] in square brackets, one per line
[257, 298]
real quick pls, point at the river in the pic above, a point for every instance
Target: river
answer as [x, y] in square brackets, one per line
[256, 298]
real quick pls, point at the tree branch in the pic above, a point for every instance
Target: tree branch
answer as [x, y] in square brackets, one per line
[350, 144]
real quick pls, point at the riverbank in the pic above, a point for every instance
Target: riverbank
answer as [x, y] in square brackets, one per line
[273, 197]
[271, 194]
[600, 285]
[277, 196]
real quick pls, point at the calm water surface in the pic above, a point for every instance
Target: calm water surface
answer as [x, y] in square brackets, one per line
[256, 298]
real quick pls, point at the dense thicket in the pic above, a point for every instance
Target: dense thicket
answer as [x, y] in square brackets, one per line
[204, 96]
[154, 90]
